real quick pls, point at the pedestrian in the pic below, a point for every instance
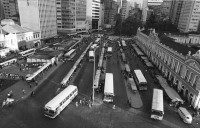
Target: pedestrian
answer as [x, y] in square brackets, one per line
[4, 103]
[32, 93]
[23, 91]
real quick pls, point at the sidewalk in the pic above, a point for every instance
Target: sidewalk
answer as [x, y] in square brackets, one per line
[18, 88]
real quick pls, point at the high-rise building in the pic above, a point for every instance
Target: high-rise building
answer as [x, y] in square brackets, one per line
[71, 16]
[10, 10]
[1, 10]
[190, 16]
[39, 15]
[166, 7]
[152, 6]
[93, 13]
[111, 8]
[126, 7]
[175, 11]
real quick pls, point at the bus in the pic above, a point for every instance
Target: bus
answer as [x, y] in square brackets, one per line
[140, 80]
[8, 62]
[27, 52]
[157, 109]
[59, 102]
[69, 55]
[109, 88]
[91, 56]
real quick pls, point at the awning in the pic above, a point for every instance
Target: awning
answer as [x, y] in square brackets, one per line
[173, 95]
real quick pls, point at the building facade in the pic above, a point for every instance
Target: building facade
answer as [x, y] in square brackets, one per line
[166, 7]
[17, 38]
[190, 16]
[111, 8]
[183, 71]
[39, 15]
[10, 10]
[71, 16]
[175, 11]
[1, 10]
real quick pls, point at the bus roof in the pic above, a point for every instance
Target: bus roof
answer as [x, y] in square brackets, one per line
[70, 52]
[53, 104]
[96, 79]
[133, 85]
[157, 101]
[140, 76]
[33, 49]
[109, 49]
[91, 53]
[109, 89]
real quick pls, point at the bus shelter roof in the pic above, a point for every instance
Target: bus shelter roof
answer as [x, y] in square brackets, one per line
[173, 95]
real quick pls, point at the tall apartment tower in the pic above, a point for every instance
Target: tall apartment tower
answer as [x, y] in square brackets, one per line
[71, 16]
[111, 8]
[39, 15]
[190, 16]
[10, 10]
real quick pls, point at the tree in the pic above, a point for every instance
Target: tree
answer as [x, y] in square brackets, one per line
[151, 22]
[117, 28]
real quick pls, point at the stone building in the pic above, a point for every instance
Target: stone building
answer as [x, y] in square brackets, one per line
[177, 62]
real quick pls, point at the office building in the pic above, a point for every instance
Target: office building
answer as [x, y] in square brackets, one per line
[39, 15]
[190, 16]
[175, 11]
[111, 8]
[126, 7]
[71, 16]
[10, 10]
[93, 13]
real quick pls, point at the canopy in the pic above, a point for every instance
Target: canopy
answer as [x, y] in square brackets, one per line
[173, 95]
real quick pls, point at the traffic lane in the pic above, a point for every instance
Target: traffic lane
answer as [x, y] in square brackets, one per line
[146, 96]
[120, 98]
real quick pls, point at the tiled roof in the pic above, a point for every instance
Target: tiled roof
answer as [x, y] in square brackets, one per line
[176, 46]
[13, 29]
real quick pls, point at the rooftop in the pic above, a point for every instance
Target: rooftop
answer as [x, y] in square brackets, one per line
[14, 29]
[172, 44]
[176, 46]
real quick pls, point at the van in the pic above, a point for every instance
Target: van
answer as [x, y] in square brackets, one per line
[185, 115]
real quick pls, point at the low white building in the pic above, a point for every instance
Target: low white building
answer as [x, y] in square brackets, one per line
[17, 38]
[4, 52]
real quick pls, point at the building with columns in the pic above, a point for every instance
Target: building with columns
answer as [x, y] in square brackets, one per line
[176, 62]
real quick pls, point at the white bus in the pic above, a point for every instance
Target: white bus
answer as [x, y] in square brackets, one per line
[69, 55]
[157, 109]
[91, 56]
[27, 52]
[109, 88]
[140, 80]
[8, 62]
[59, 102]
